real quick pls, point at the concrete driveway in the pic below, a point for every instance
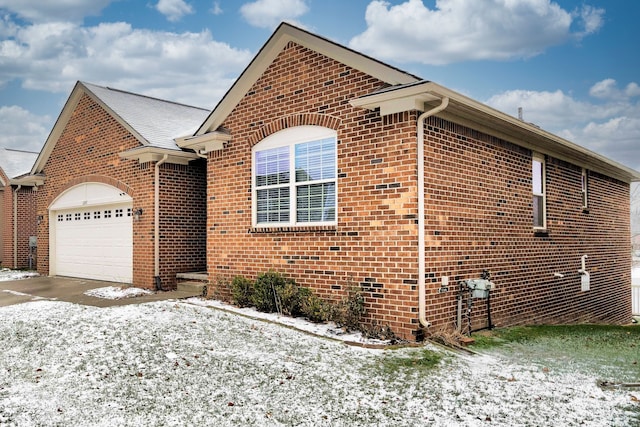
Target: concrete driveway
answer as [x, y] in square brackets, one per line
[71, 290]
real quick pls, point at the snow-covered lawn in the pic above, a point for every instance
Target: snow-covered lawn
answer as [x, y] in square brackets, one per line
[178, 363]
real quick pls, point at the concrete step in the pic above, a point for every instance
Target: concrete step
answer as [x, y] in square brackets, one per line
[197, 288]
[193, 276]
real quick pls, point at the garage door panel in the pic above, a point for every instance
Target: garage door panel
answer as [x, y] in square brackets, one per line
[95, 243]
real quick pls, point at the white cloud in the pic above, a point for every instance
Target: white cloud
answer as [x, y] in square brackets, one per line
[58, 10]
[174, 10]
[185, 67]
[610, 125]
[269, 13]
[216, 9]
[591, 19]
[461, 30]
[608, 89]
[22, 129]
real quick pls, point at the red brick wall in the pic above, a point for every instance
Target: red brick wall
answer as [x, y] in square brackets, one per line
[27, 226]
[26, 204]
[479, 216]
[478, 211]
[87, 151]
[183, 210]
[374, 243]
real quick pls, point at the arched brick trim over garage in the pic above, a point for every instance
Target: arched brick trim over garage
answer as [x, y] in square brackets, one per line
[303, 119]
[96, 178]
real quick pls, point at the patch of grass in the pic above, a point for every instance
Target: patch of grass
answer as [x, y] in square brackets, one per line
[416, 360]
[594, 335]
[611, 352]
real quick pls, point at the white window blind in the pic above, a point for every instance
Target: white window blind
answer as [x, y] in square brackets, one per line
[315, 175]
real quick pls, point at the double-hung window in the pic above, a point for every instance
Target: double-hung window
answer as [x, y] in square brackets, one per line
[539, 192]
[585, 189]
[294, 178]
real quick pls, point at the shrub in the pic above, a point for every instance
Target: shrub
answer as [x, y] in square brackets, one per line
[267, 291]
[314, 308]
[242, 290]
[219, 289]
[289, 296]
[378, 331]
[348, 313]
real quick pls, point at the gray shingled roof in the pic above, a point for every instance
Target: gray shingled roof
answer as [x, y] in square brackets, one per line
[16, 163]
[157, 121]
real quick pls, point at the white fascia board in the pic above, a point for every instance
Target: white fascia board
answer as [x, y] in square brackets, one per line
[152, 154]
[391, 101]
[476, 115]
[494, 122]
[28, 181]
[204, 143]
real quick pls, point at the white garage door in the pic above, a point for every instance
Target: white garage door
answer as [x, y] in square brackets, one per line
[94, 240]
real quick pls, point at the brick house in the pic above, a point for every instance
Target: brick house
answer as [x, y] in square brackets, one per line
[17, 209]
[406, 188]
[401, 186]
[111, 172]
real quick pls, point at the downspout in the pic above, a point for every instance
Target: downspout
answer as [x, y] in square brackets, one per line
[15, 226]
[422, 299]
[156, 225]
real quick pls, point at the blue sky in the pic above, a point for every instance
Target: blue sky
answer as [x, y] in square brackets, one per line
[573, 66]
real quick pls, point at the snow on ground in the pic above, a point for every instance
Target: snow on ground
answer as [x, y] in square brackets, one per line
[22, 294]
[176, 363]
[7, 274]
[116, 292]
[328, 329]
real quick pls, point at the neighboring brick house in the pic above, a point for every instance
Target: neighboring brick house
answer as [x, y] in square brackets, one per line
[313, 171]
[17, 209]
[111, 172]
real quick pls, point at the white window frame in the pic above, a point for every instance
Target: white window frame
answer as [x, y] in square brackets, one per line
[585, 188]
[539, 158]
[291, 137]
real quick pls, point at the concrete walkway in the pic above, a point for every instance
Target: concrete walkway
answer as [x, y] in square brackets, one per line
[72, 290]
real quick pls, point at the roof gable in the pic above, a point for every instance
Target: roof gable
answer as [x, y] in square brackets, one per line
[154, 122]
[284, 34]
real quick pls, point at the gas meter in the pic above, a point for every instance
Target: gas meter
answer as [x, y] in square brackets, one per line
[479, 287]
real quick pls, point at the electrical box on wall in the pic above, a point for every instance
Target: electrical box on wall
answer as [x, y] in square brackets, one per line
[585, 281]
